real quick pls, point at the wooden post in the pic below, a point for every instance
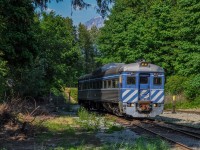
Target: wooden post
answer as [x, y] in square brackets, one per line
[174, 104]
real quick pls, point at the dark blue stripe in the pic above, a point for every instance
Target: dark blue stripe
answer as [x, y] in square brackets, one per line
[131, 91]
[143, 95]
[136, 95]
[154, 94]
[159, 97]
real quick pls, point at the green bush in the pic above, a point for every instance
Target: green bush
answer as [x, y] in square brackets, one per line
[192, 87]
[89, 121]
[175, 84]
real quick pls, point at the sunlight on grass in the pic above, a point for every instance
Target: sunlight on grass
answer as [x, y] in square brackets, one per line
[59, 124]
[142, 143]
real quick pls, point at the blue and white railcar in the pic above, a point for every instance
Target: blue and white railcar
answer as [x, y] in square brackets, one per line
[135, 89]
[142, 91]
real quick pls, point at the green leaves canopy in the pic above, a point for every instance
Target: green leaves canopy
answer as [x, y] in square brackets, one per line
[162, 32]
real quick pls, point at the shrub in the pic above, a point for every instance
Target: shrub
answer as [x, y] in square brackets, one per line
[114, 128]
[175, 84]
[89, 121]
[192, 87]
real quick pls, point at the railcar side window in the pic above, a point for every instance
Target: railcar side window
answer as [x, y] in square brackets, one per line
[81, 86]
[100, 84]
[130, 80]
[97, 84]
[104, 84]
[157, 80]
[87, 85]
[143, 80]
[91, 85]
[84, 85]
[109, 84]
[114, 83]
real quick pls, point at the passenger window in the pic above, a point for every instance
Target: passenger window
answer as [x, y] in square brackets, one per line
[100, 84]
[130, 80]
[157, 80]
[104, 84]
[109, 84]
[86, 85]
[114, 83]
[143, 80]
[91, 85]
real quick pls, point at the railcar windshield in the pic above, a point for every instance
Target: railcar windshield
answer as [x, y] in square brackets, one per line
[157, 80]
[143, 80]
[131, 80]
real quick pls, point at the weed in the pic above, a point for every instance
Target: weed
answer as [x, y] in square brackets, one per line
[114, 128]
[142, 143]
[149, 143]
[61, 125]
[89, 121]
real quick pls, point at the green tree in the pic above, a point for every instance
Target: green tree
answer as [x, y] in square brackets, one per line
[17, 36]
[87, 48]
[17, 41]
[162, 32]
[59, 51]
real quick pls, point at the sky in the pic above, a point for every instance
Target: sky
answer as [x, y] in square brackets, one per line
[64, 8]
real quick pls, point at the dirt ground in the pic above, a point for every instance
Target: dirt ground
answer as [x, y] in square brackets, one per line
[36, 137]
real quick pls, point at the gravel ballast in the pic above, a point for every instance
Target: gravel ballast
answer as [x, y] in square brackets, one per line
[188, 119]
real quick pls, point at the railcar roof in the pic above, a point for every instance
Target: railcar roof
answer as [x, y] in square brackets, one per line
[136, 67]
[116, 68]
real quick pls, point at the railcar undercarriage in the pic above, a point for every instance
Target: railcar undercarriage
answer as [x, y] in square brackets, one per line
[103, 106]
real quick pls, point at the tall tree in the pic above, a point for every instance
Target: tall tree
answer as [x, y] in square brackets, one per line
[87, 48]
[162, 32]
[60, 50]
[17, 39]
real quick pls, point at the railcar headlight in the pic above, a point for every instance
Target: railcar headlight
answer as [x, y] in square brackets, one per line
[144, 64]
[155, 105]
[130, 105]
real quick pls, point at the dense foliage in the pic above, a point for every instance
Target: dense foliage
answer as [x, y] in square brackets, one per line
[162, 32]
[40, 54]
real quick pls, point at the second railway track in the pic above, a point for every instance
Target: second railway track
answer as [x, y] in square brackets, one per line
[181, 138]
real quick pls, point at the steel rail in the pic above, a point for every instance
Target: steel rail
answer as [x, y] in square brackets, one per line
[129, 123]
[178, 130]
[184, 111]
[180, 125]
[166, 138]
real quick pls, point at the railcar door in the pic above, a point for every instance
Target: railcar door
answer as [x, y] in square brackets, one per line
[144, 87]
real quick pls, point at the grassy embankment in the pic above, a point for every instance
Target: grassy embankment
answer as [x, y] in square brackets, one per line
[79, 133]
[181, 102]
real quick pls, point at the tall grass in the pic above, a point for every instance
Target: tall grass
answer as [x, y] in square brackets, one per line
[89, 121]
[142, 143]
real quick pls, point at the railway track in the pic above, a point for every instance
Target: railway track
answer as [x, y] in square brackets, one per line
[184, 138]
[180, 138]
[184, 111]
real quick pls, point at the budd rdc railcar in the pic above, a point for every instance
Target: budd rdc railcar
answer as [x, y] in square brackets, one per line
[135, 89]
